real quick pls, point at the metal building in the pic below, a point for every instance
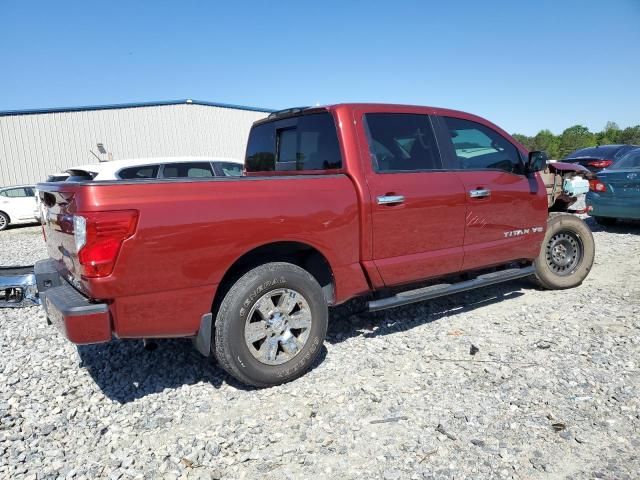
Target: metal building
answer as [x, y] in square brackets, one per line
[36, 143]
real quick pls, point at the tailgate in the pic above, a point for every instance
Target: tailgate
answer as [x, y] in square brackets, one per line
[58, 205]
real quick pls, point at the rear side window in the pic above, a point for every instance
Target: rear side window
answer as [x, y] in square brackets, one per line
[143, 171]
[402, 142]
[228, 169]
[478, 147]
[306, 142]
[187, 170]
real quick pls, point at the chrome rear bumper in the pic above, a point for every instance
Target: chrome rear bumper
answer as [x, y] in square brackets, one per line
[18, 287]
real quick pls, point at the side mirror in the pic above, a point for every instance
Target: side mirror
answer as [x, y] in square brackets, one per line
[537, 161]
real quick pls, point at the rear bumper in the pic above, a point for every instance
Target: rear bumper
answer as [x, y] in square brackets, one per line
[18, 287]
[614, 207]
[79, 319]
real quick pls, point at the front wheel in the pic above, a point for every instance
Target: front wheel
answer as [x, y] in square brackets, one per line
[271, 325]
[567, 253]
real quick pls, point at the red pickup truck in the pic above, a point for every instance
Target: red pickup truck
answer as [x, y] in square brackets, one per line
[399, 203]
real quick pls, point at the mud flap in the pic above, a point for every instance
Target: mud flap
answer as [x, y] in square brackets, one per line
[202, 341]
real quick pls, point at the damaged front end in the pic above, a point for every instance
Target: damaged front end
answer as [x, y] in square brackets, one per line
[18, 287]
[566, 184]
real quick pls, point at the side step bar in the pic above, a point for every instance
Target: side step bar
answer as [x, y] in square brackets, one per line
[434, 291]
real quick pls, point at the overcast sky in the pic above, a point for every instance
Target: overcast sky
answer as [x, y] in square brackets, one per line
[523, 65]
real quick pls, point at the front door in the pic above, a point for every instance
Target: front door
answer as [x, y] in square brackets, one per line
[506, 211]
[417, 208]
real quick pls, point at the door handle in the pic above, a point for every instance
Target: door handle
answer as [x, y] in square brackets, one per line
[390, 199]
[480, 193]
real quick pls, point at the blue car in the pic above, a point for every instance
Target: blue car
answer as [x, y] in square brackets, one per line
[615, 193]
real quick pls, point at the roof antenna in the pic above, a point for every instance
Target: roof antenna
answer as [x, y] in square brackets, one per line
[94, 154]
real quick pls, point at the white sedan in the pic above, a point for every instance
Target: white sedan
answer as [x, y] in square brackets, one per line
[164, 167]
[17, 205]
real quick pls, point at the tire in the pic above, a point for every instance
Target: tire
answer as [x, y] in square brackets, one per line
[567, 253]
[4, 221]
[274, 299]
[605, 221]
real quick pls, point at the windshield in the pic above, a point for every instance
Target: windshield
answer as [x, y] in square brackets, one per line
[630, 160]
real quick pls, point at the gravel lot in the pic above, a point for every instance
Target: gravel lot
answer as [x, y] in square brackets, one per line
[551, 393]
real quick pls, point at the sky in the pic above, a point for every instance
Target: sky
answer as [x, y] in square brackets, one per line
[525, 65]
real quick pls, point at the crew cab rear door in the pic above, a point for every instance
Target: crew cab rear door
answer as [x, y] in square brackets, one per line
[417, 208]
[506, 210]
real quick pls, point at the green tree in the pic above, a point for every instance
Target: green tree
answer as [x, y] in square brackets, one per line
[524, 140]
[545, 140]
[574, 138]
[579, 136]
[630, 135]
[610, 134]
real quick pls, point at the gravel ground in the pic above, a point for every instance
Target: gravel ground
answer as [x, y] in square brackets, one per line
[552, 391]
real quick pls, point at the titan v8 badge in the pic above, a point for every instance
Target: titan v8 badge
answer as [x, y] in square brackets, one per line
[524, 231]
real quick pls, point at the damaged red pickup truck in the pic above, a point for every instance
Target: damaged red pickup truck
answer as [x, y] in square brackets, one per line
[399, 203]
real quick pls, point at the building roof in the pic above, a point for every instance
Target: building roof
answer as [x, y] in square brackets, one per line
[84, 108]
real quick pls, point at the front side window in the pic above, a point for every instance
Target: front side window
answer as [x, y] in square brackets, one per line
[143, 171]
[305, 142]
[478, 147]
[187, 170]
[401, 142]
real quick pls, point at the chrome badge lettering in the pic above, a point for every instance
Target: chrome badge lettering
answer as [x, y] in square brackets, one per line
[524, 231]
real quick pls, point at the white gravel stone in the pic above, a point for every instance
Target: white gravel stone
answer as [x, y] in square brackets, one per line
[553, 391]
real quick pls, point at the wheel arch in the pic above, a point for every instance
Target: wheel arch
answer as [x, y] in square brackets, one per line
[302, 254]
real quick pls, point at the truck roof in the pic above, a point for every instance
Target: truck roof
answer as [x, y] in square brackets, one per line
[386, 108]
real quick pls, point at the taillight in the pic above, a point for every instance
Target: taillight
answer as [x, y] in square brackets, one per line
[599, 163]
[98, 238]
[596, 185]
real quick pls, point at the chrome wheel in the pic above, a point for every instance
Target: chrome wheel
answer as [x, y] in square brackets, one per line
[564, 253]
[3, 222]
[278, 326]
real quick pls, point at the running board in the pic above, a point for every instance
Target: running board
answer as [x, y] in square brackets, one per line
[434, 291]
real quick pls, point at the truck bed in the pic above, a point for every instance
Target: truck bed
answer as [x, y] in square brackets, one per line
[190, 231]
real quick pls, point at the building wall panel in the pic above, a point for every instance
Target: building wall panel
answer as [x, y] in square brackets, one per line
[37, 144]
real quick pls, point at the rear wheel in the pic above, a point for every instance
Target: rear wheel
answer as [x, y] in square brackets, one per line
[567, 253]
[4, 221]
[271, 325]
[605, 221]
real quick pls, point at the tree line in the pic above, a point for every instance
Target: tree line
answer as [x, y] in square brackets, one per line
[579, 136]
